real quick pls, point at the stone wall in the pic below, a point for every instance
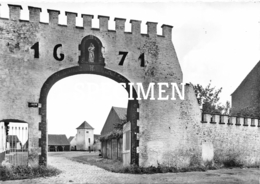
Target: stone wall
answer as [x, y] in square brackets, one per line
[171, 138]
[229, 137]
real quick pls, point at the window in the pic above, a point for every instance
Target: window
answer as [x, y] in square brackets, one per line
[89, 140]
[86, 131]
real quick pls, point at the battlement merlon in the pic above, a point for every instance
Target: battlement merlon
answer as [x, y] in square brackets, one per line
[136, 26]
[53, 16]
[34, 16]
[14, 11]
[87, 20]
[71, 18]
[167, 31]
[103, 23]
[152, 29]
[120, 25]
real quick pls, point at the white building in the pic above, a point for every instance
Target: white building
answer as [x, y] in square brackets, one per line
[73, 142]
[84, 139]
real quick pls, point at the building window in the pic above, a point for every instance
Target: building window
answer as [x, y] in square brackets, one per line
[89, 140]
[86, 131]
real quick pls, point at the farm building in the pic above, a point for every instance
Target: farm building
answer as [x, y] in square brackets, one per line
[58, 142]
[85, 139]
[111, 140]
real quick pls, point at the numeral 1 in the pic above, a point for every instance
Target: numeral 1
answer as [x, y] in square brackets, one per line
[141, 57]
[35, 47]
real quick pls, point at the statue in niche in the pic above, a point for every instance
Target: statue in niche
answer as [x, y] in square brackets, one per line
[91, 54]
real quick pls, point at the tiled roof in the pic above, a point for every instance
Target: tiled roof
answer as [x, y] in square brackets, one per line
[70, 138]
[54, 139]
[116, 115]
[85, 125]
[121, 112]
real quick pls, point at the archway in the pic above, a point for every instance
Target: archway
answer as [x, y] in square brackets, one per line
[132, 114]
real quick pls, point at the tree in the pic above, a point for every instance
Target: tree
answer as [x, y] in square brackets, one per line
[120, 125]
[208, 98]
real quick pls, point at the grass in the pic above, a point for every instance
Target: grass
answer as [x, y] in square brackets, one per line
[107, 164]
[117, 166]
[26, 172]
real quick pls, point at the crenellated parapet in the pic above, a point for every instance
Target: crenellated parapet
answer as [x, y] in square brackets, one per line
[229, 120]
[35, 14]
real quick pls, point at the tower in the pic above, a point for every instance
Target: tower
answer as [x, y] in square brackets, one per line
[85, 136]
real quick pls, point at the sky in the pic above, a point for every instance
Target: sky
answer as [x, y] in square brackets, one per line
[216, 41]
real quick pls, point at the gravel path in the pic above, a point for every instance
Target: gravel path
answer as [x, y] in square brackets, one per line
[74, 172]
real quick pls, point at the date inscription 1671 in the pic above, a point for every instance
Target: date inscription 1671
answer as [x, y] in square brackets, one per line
[61, 56]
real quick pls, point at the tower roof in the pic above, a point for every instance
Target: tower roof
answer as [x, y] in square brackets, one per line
[85, 125]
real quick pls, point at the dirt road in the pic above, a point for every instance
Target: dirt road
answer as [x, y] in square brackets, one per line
[74, 172]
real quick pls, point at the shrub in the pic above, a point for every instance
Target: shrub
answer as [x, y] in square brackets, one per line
[209, 165]
[232, 162]
[134, 169]
[24, 172]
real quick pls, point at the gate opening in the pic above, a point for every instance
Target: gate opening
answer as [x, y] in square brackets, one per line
[91, 61]
[81, 105]
[13, 142]
[131, 112]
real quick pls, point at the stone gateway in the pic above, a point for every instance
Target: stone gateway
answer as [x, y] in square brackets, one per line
[35, 55]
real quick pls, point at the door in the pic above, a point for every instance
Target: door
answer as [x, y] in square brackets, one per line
[126, 144]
